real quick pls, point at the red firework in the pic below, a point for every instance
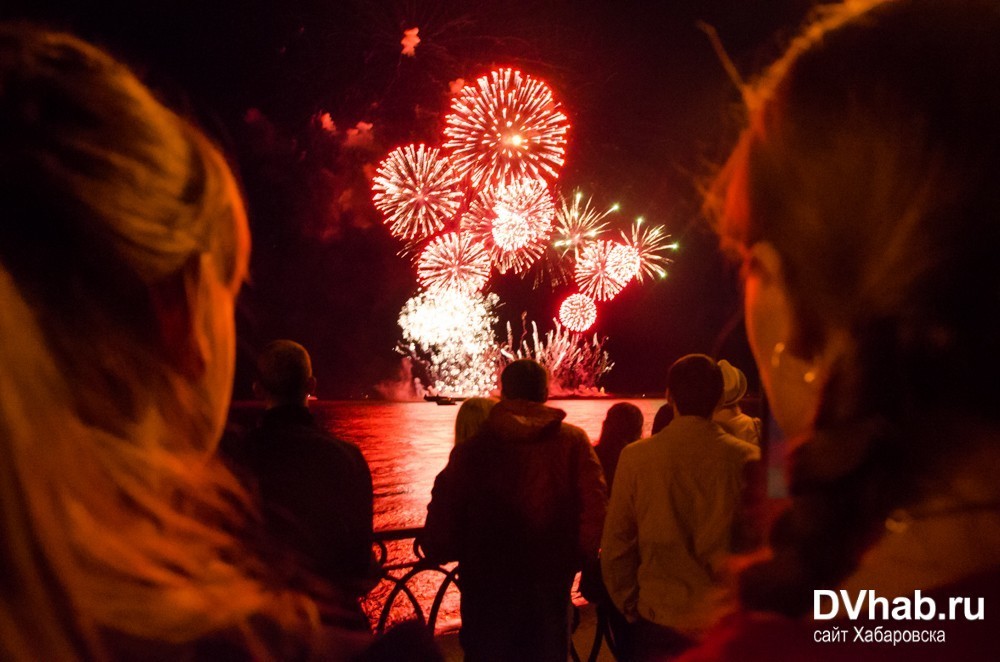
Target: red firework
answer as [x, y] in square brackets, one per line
[597, 268]
[513, 221]
[454, 261]
[578, 312]
[416, 191]
[506, 126]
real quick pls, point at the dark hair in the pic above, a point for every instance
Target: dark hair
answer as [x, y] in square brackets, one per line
[663, 416]
[525, 379]
[869, 164]
[695, 385]
[622, 424]
[284, 370]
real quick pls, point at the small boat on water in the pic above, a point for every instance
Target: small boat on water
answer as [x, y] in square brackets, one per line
[441, 399]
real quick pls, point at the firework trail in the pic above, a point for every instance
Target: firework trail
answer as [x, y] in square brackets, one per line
[506, 126]
[416, 191]
[578, 312]
[513, 221]
[454, 261]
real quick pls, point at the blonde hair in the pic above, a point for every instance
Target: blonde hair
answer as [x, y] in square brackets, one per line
[123, 242]
[471, 416]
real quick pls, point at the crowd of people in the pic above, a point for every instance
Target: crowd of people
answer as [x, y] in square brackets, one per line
[860, 200]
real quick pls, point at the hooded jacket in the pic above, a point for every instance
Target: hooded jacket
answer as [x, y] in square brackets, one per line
[524, 498]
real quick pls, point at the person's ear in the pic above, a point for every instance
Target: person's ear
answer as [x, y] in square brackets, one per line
[311, 386]
[174, 302]
[768, 309]
[793, 382]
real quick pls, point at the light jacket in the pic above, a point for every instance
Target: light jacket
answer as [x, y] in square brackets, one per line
[670, 523]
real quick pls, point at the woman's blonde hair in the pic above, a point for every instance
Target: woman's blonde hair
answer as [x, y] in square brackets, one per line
[471, 416]
[123, 242]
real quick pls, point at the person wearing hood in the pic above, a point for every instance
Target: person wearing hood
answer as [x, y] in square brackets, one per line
[728, 414]
[520, 506]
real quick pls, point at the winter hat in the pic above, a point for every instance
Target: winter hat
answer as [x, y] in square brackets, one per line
[734, 383]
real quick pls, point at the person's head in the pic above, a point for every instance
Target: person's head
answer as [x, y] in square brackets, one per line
[525, 379]
[284, 374]
[862, 197]
[471, 415]
[734, 384]
[123, 243]
[863, 201]
[694, 385]
[622, 424]
[663, 416]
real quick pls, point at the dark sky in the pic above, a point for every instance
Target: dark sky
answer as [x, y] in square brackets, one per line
[651, 107]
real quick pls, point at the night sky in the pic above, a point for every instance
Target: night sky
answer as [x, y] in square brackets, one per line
[652, 114]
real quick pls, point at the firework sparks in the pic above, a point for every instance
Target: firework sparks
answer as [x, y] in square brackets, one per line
[578, 223]
[650, 245]
[506, 126]
[578, 312]
[513, 221]
[594, 269]
[623, 263]
[416, 191]
[575, 364]
[454, 261]
[451, 334]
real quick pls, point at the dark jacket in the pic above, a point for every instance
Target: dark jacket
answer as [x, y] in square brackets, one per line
[316, 495]
[525, 498]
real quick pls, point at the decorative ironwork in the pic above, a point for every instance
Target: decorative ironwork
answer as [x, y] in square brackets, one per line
[410, 568]
[399, 574]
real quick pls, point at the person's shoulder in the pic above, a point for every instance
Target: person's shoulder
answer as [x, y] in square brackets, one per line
[737, 447]
[574, 433]
[637, 450]
[346, 446]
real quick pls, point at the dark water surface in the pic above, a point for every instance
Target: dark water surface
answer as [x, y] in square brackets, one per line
[407, 444]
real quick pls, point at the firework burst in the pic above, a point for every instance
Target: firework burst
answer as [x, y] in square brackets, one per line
[451, 334]
[578, 312]
[513, 221]
[454, 261]
[416, 191]
[594, 269]
[650, 245]
[575, 364]
[578, 223]
[623, 263]
[506, 126]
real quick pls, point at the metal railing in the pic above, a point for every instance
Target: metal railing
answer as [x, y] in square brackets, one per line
[400, 574]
